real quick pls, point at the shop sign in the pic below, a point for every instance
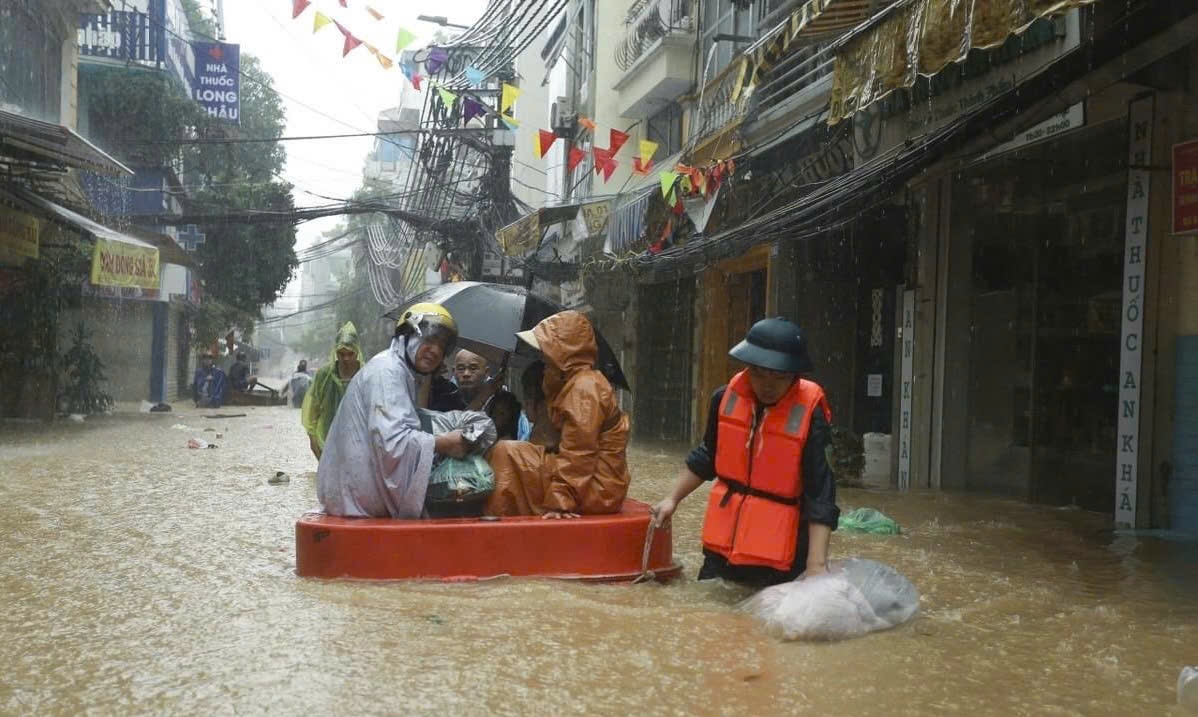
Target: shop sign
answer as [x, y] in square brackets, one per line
[1139, 157]
[217, 82]
[595, 215]
[121, 264]
[907, 372]
[1185, 187]
[521, 236]
[18, 234]
[1067, 121]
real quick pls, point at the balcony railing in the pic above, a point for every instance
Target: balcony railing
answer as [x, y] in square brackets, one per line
[647, 22]
[723, 100]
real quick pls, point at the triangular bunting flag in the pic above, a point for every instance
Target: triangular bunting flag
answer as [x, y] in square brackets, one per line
[385, 61]
[374, 13]
[641, 167]
[608, 170]
[437, 56]
[604, 162]
[475, 76]
[343, 3]
[320, 21]
[648, 149]
[667, 184]
[618, 139]
[699, 209]
[351, 42]
[543, 141]
[510, 93]
[471, 108]
[586, 122]
[298, 7]
[413, 76]
[447, 98]
[575, 158]
[404, 39]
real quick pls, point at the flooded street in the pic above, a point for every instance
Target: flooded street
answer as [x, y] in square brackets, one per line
[140, 576]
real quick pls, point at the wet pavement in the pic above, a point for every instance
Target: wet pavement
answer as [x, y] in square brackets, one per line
[140, 576]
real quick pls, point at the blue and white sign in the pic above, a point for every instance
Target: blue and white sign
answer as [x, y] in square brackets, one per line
[217, 82]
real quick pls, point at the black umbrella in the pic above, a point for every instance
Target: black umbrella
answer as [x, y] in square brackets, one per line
[489, 315]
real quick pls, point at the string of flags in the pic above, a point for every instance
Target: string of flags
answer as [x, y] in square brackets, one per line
[682, 186]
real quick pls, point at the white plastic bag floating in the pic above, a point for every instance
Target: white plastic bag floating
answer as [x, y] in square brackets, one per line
[1187, 688]
[855, 597]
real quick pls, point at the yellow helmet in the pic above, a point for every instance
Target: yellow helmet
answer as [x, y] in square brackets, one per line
[419, 318]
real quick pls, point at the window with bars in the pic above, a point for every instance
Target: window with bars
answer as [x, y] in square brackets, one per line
[724, 17]
[30, 60]
[665, 128]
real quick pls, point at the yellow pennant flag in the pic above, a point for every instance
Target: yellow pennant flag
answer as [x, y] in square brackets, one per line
[447, 98]
[648, 149]
[320, 21]
[510, 93]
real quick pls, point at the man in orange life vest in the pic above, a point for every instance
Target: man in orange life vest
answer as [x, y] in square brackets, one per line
[772, 508]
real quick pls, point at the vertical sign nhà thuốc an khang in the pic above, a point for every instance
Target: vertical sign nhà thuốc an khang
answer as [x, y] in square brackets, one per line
[906, 399]
[216, 86]
[1131, 347]
[1185, 187]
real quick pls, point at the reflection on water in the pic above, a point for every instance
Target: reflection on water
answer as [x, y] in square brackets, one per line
[141, 576]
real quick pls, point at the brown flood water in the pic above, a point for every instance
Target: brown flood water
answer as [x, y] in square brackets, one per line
[138, 576]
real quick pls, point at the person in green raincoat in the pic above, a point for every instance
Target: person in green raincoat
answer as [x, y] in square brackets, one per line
[320, 404]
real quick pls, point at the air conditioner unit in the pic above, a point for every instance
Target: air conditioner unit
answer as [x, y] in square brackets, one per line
[562, 114]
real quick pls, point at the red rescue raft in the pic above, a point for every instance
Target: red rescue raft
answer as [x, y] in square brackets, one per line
[600, 548]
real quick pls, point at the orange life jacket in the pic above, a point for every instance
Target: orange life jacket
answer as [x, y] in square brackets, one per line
[753, 511]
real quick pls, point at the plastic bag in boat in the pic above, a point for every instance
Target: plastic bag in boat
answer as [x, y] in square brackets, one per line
[459, 487]
[855, 597]
[476, 426]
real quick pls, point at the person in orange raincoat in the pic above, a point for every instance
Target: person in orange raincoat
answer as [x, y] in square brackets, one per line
[589, 471]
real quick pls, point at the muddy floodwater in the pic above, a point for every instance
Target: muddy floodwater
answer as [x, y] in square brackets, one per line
[140, 576]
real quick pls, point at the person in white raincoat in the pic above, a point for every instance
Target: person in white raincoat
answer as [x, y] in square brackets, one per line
[376, 459]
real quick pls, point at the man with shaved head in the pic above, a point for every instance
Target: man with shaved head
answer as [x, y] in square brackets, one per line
[485, 392]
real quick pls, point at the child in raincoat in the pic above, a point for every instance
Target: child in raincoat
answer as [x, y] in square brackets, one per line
[588, 473]
[328, 387]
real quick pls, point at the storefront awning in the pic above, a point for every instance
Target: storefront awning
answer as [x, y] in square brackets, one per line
[922, 37]
[118, 258]
[32, 139]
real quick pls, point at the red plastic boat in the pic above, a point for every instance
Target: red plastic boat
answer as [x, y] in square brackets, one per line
[600, 548]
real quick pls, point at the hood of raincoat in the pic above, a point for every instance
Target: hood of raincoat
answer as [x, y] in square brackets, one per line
[347, 338]
[567, 341]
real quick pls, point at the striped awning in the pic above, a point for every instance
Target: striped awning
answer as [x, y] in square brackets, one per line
[810, 22]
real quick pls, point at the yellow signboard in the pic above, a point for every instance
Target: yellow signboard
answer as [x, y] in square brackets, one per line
[520, 236]
[122, 264]
[18, 234]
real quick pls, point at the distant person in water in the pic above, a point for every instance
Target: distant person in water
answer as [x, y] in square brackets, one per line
[298, 384]
[239, 375]
[329, 385]
[209, 385]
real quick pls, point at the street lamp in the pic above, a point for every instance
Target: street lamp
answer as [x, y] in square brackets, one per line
[442, 21]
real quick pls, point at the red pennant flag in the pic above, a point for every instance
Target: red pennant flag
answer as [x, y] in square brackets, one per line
[608, 169]
[351, 42]
[415, 79]
[602, 158]
[298, 7]
[618, 139]
[343, 3]
[576, 157]
[545, 140]
[639, 166]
